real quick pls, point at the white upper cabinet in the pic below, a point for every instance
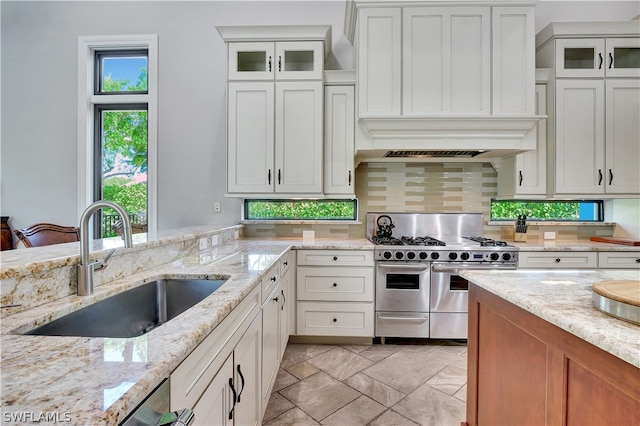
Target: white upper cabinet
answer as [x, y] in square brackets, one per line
[446, 61]
[379, 62]
[595, 137]
[513, 50]
[275, 109]
[531, 166]
[598, 57]
[437, 60]
[339, 149]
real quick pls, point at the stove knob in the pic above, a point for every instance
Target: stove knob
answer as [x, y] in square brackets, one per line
[453, 256]
[506, 256]
[423, 255]
[387, 255]
[494, 256]
[411, 255]
[399, 255]
[435, 256]
[464, 256]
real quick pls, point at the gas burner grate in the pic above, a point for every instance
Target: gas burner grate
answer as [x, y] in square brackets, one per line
[387, 241]
[487, 242]
[422, 241]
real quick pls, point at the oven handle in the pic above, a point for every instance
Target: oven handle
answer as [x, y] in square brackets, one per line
[388, 265]
[443, 267]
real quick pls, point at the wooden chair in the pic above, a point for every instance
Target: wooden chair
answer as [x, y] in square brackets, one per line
[45, 234]
[136, 228]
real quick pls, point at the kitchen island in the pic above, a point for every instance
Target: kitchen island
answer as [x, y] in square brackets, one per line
[541, 353]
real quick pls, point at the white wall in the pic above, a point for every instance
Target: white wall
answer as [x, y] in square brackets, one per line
[38, 181]
[39, 46]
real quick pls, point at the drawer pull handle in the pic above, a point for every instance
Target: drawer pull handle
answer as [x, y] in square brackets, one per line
[558, 260]
[335, 257]
[275, 299]
[637, 260]
[335, 320]
[273, 279]
[285, 263]
[335, 284]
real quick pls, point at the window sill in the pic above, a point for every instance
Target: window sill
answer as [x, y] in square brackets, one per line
[300, 222]
[549, 223]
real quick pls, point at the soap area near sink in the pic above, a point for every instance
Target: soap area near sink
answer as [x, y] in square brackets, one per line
[99, 380]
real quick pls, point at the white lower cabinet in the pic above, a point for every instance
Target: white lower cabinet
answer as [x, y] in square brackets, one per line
[558, 259]
[335, 293]
[275, 328]
[220, 379]
[619, 260]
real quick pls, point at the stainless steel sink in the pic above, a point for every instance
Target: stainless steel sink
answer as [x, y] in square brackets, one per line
[133, 312]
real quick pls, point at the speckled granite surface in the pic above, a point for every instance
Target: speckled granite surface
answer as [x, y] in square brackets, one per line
[563, 245]
[563, 298]
[98, 381]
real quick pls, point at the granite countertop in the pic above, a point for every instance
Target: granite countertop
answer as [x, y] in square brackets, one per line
[563, 298]
[571, 245]
[101, 380]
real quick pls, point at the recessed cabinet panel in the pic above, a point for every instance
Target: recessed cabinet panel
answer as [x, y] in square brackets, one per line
[579, 137]
[298, 128]
[250, 131]
[339, 148]
[379, 62]
[531, 166]
[623, 137]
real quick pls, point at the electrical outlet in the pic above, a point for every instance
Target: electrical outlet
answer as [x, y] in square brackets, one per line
[216, 207]
[549, 235]
[214, 240]
[203, 243]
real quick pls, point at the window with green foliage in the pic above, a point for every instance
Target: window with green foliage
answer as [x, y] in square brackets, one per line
[301, 209]
[582, 210]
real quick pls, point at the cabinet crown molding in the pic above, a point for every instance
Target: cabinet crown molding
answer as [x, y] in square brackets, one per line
[260, 33]
[587, 30]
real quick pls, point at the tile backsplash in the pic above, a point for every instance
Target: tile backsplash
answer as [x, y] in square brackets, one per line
[429, 188]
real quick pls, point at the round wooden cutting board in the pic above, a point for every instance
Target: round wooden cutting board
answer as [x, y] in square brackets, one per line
[618, 298]
[625, 291]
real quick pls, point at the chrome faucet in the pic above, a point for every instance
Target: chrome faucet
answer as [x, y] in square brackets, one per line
[86, 269]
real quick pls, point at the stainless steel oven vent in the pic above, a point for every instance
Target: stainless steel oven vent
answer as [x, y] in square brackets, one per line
[433, 153]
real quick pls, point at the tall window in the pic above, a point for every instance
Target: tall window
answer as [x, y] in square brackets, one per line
[117, 105]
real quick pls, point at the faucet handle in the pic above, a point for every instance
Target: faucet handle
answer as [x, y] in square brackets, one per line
[101, 264]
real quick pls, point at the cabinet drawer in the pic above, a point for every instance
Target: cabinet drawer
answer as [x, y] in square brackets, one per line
[335, 257]
[620, 260]
[270, 280]
[285, 263]
[560, 260]
[339, 284]
[335, 319]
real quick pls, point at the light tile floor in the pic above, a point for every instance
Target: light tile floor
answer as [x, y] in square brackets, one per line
[404, 382]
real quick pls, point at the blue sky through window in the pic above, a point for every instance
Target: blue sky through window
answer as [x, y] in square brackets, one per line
[124, 68]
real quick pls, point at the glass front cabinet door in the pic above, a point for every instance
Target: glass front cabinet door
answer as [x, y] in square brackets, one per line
[279, 60]
[598, 57]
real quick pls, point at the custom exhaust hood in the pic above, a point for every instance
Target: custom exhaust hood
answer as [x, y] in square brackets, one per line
[444, 138]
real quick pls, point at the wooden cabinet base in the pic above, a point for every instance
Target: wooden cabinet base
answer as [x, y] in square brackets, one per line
[526, 371]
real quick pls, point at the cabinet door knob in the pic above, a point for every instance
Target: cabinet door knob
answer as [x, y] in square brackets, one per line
[275, 299]
[335, 320]
[637, 260]
[601, 59]
[335, 257]
[558, 260]
[285, 263]
[335, 284]
[600, 176]
[273, 279]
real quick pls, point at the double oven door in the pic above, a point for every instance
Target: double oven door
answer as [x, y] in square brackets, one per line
[402, 299]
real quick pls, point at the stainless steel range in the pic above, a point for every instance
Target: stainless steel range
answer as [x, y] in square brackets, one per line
[419, 292]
